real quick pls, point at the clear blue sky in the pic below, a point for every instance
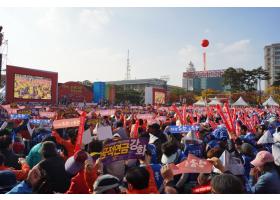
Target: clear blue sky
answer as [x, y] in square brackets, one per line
[92, 43]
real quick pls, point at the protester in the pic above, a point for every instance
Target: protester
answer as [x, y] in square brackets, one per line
[106, 184]
[11, 159]
[35, 156]
[269, 179]
[171, 160]
[47, 177]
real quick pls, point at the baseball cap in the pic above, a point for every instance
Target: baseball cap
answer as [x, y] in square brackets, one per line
[262, 158]
[104, 183]
[76, 162]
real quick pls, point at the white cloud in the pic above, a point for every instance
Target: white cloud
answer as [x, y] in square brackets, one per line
[206, 31]
[220, 55]
[54, 20]
[95, 19]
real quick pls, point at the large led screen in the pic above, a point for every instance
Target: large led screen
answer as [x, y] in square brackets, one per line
[32, 87]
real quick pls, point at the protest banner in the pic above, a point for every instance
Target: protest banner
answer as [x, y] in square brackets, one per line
[47, 114]
[87, 137]
[80, 131]
[174, 107]
[192, 164]
[103, 132]
[24, 111]
[19, 116]
[145, 116]
[123, 150]
[44, 122]
[183, 129]
[106, 112]
[231, 163]
[66, 123]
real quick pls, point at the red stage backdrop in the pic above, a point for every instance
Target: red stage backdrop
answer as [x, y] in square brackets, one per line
[75, 92]
[30, 85]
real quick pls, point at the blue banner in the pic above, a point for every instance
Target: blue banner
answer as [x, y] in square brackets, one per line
[19, 116]
[183, 129]
[44, 122]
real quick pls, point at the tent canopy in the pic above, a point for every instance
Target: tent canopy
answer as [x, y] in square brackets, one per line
[240, 102]
[200, 102]
[270, 102]
[214, 101]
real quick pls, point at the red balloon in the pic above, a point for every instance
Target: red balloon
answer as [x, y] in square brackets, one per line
[204, 43]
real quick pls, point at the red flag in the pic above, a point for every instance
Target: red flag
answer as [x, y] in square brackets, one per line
[219, 109]
[230, 122]
[184, 115]
[135, 131]
[81, 131]
[178, 113]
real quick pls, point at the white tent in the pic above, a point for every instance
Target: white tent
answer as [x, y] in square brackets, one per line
[214, 102]
[200, 102]
[240, 102]
[270, 102]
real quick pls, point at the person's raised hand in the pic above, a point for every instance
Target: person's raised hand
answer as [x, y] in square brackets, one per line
[217, 163]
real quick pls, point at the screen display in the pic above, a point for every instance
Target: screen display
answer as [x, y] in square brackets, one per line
[32, 87]
[159, 97]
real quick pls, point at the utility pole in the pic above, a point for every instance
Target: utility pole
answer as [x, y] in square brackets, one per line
[128, 67]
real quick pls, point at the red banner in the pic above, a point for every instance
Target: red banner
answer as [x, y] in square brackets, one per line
[193, 164]
[81, 131]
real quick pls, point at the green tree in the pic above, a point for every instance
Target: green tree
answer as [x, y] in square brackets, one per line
[249, 81]
[260, 74]
[234, 78]
[87, 83]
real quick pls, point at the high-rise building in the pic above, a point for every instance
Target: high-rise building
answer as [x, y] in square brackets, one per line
[199, 80]
[272, 62]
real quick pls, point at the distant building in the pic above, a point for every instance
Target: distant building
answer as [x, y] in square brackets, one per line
[140, 84]
[200, 80]
[272, 62]
[158, 86]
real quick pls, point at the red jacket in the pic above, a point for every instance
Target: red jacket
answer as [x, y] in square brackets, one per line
[78, 184]
[20, 174]
[152, 188]
[66, 143]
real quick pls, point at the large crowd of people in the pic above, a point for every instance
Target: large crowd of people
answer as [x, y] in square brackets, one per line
[37, 158]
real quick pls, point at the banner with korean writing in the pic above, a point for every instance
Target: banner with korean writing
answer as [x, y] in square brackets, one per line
[19, 116]
[192, 164]
[123, 150]
[66, 123]
[47, 114]
[183, 129]
[145, 116]
[44, 122]
[24, 111]
[106, 112]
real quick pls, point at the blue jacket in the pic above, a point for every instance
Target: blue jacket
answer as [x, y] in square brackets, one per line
[21, 188]
[268, 183]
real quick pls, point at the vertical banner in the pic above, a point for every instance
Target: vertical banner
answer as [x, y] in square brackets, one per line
[204, 60]
[230, 122]
[136, 126]
[219, 110]
[81, 131]
[178, 113]
[184, 115]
